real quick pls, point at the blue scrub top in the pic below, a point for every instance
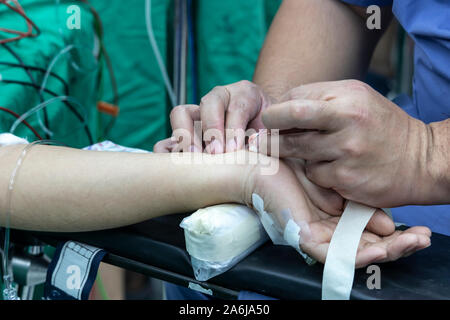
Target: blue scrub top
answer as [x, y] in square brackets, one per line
[428, 23]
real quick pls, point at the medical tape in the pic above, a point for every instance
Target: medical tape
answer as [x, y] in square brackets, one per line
[339, 269]
[199, 288]
[272, 229]
[290, 236]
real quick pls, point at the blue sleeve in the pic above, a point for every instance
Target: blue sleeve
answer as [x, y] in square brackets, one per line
[366, 3]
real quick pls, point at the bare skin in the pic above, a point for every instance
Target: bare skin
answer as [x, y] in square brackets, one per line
[379, 155]
[62, 189]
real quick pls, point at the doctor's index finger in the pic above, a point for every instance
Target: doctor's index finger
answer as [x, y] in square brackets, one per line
[213, 107]
[182, 121]
[316, 91]
[302, 114]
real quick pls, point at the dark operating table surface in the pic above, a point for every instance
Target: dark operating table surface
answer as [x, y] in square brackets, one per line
[157, 248]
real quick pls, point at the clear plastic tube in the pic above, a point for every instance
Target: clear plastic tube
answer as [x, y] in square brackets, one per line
[10, 292]
[58, 56]
[52, 64]
[151, 36]
[44, 83]
[94, 51]
[43, 105]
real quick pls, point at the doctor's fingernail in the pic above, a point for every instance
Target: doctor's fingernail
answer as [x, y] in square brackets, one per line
[253, 142]
[216, 147]
[231, 145]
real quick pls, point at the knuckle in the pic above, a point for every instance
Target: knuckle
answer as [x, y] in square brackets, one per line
[240, 105]
[290, 142]
[213, 124]
[216, 92]
[246, 83]
[246, 89]
[177, 110]
[353, 147]
[358, 114]
[205, 100]
[299, 111]
[218, 89]
[357, 85]
[294, 93]
[296, 111]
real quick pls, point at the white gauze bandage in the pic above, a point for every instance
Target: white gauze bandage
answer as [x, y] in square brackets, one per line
[218, 237]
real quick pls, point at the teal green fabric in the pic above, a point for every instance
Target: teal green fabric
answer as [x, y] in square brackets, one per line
[143, 103]
[78, 67]
[229, 35]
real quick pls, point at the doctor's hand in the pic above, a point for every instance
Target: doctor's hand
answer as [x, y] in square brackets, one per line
[357, 142]
[237, 106]
[324, 199]
[283, 191]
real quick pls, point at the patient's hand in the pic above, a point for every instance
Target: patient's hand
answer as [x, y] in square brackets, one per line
[283, 191]
[289, 189]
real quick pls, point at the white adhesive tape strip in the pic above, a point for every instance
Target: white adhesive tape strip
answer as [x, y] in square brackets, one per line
[267, 221]
[291, 234]
[339, 268]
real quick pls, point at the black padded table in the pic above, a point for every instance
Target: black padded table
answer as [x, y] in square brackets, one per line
[157, 248]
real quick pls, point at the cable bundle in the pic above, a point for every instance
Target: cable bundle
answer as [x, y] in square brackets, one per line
[111, 109]
[19, 34]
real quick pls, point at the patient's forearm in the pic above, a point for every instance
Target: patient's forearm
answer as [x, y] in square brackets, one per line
[62, 189]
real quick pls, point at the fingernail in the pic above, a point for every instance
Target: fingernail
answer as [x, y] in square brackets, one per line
[231, 145]
[216, 147]
[253, 142]
[174, 147]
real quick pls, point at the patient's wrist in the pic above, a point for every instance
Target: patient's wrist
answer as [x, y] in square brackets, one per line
[241, 172]
[225, 175]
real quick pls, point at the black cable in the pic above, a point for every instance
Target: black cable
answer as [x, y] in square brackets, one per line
[67, 103]
[19, 59]
[42, 70]
[104, 54]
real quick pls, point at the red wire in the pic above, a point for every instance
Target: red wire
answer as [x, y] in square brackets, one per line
[24, 121]
[30, 24]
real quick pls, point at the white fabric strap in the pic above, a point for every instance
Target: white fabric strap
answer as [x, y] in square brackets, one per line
[339, 269]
